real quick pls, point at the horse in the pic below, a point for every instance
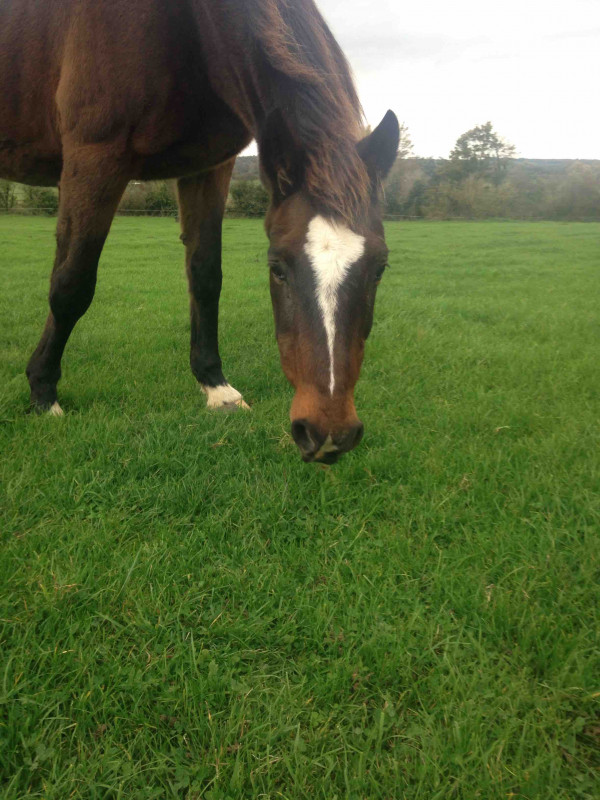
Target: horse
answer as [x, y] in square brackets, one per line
[96, 93]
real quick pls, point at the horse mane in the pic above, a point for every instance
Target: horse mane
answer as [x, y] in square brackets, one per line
[309, 81]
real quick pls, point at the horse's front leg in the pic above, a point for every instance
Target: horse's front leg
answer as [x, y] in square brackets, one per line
[91, 185]
[201, 208]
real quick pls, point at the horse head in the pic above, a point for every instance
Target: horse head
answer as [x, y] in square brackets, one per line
[324, 273]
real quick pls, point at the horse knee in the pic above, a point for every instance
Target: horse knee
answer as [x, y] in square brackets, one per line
[73, 282]
[71, 295]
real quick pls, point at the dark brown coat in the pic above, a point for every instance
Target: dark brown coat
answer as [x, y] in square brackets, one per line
[95, 93]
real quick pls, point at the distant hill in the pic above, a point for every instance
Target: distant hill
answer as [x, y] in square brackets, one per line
[246, 167]
[550, 166]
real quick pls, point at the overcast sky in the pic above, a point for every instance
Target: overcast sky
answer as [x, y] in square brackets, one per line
[532, 67]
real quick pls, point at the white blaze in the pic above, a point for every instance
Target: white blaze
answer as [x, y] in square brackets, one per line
[332, 249]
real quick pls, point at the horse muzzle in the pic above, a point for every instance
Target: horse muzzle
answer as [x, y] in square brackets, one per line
[325, 448]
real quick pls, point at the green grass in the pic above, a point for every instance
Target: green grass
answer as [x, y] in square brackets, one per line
[190, 611]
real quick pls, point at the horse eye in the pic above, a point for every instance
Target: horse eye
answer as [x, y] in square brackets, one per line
[379, 273]
[277, 271]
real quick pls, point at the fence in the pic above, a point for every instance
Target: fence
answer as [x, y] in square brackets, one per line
[125, 212]
[167, 212]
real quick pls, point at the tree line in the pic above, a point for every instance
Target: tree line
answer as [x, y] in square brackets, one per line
[480, 179]
[247, 198]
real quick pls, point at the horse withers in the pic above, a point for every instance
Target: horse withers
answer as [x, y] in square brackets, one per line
[96, 93]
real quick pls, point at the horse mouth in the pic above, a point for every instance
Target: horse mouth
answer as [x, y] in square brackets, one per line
[326, 458]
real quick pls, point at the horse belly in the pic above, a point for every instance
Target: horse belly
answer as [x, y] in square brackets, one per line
[30, 149]
[220, 138]
[133, 81]
[30, 163]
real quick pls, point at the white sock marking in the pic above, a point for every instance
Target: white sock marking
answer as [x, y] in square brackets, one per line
[332, 249]
[56, 411]
[225, 395]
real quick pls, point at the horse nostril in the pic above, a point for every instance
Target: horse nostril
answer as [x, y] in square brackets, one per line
[317, 446]
[306, 437]
[350, 438]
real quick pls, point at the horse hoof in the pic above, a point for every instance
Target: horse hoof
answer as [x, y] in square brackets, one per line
[51, 409]
[240, 404]
[55, 410]
[224, 398]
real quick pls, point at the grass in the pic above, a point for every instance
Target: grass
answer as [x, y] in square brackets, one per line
[189, 611]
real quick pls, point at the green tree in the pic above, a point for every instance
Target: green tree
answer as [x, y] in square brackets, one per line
[8, 195]
[248, 198]
[403, 175]
[480, 151]
[41, 198]
[160, 197]
[577, 194]
[405, 145]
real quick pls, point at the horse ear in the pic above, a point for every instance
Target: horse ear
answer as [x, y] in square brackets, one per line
[281, 160]
[379, 149]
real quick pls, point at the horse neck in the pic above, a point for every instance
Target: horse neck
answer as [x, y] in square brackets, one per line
[254, 68]
[225, 42]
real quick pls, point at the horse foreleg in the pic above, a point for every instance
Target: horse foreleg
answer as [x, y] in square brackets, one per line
[201, 206]
[90, 189]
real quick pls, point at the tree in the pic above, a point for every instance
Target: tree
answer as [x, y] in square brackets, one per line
[8, 195]
[402, 176]
[405, 145]
[248, 198]
[40, 199]
[576, 195]
[480, 151]
[160, 197]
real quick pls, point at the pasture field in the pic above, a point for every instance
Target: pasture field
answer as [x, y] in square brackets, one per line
[189, 611]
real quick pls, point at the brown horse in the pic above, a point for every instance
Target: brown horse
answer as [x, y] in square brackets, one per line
[95, 93]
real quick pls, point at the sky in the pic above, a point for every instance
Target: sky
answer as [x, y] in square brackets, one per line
[532, 68]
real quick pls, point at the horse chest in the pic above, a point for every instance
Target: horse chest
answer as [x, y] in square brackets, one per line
[201, 134]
